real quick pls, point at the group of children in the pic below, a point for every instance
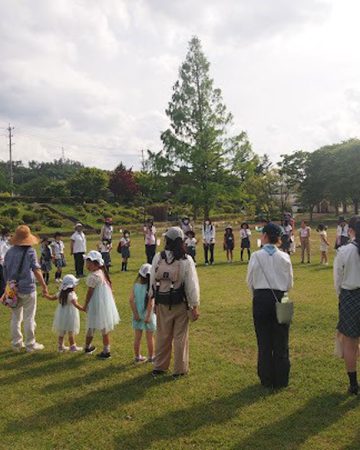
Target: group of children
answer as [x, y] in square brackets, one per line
[52, 252]
[101, 310]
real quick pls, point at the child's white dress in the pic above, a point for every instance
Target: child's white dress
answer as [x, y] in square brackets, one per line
[67, 317]
[102, 313]
[323, 246]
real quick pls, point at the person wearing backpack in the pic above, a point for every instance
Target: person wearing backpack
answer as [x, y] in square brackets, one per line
[175, 286]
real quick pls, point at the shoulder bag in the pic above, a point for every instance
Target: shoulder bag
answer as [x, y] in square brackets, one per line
[10, 298]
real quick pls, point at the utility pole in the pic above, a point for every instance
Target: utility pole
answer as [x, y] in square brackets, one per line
[62, 154]
[10, 129]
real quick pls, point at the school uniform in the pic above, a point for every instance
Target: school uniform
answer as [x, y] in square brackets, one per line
[245, 238]
[347, 286]
[342, 236]
[190, 245]
[79, 249]
[272, 338]
[173, 320]
[208, 235]
[229, 241]
[58, 248]
[286, 238]
[304, 234]
[104, 249]
[150, 242]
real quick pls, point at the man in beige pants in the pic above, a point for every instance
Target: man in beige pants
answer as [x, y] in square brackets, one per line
[173, 315]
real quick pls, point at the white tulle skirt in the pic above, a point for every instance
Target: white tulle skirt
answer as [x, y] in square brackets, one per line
[102, 313]
[66, 320]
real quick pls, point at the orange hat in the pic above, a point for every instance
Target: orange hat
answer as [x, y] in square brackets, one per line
[24, 237]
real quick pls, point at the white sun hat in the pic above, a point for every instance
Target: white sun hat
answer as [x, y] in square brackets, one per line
[145, 270]
[69, 281]
[94, 255]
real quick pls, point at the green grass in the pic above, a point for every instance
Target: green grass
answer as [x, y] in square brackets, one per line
[52, 401]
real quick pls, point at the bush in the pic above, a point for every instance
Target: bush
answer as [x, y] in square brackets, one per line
[11, 212]
[37, 227]
[56, 201]
[30, 218]
[5, 222]
[55, 223]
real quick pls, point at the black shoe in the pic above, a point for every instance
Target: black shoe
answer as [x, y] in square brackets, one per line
[90, 350]
[156, 372]
[176, 376]
[104, 355]
[353, 389]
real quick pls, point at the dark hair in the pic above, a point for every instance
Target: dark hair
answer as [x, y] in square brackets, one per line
[105, 272]
[177, 247]
[126, 232]
[190, 233]
[57, 234]
[321, 227]
[243, 224]
[5, 231]
[63, 296]
[354, 224]
[144, 280]
[228, 232]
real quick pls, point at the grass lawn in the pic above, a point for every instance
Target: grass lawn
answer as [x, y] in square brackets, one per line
[71, 401]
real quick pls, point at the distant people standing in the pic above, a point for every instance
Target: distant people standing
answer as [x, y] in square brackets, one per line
[104, 248]
[305, 233]
[4, 247]
[57, 249]
[324, 244]
[124, 249]
[245, 234]
[347, 286]
[78, 249]
[208, 235]
[45, 259]
[21, 265]
[107, 230]
[342, 233]
[190, 244]
[185, 225]
[150, 240]
[229, 243]
[286, 237]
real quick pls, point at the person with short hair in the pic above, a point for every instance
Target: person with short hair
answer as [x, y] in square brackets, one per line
[342, 233]
[270, 274]
[190, 244]
[229, 243]
[107, 230]
[208, 235]
[175, 286]
[57, 249]
[245, 234]
[185, 225]
[305, 233]
[324, 244]
[78, 248]
[347, 286]
[23, 256]
[45, 259]
[150, 240]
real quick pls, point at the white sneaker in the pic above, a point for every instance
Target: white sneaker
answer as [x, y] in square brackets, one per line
[35, 348]
[18, 348]
[63, 349]
[57, 280]
[75, 348]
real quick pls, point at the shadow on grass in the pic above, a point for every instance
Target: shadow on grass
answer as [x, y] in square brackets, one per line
[182, 422]
[78, 408]
[17, 361]
[355, 445]
[316, 415]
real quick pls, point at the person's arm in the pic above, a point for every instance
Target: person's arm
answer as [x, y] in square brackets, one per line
[89, 294]
[338, 272]
[291, 275]
[309, 232]
[78, 306]
[40, 279]
[51, 297]
[192, 287]
[71, 246]
[213, 234]
[133, 306]
[152, 274]
[149, 309]
[250, 273]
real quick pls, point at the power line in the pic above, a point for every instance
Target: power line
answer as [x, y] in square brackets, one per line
[10, 129]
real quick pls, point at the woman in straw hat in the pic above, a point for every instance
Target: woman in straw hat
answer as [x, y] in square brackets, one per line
[21, 264]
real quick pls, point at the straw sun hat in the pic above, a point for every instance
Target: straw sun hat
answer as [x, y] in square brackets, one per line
[24, 237]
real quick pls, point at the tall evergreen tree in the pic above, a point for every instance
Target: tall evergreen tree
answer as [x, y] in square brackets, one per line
[197, 141]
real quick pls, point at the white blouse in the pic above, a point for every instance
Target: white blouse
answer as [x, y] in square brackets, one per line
[347, 268]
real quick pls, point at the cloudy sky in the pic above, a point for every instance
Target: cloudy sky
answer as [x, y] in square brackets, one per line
[94, 77]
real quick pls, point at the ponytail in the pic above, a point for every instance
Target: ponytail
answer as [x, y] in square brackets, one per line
[63, 296]
[354, 224]
[106, 274]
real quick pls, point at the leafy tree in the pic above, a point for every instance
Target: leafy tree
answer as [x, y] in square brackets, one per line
[122, 183]
[197, 141]
[89, 184]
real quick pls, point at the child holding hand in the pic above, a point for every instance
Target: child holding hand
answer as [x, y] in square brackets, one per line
[144, 318]
[67, 318]
[102, 313]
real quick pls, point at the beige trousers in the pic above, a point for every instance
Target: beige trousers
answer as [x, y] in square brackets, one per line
[305, 247]
[172, 326]
[25, 311]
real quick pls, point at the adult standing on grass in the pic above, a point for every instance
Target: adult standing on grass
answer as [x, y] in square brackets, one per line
[208, 235]
[150, 240]
[21, 264]
[305, 233]
[270, 274]
[342, 233]
[78, 249]
[107, 230]
[185, 225]
[175, 286]
[347, 285]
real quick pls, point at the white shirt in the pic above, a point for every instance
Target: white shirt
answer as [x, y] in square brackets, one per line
[245, 233]
[287, 230]
[304, 232]
[277, 268]
[187, 275]
[347, 268]
[190, 242]
[342, 231]
[106, 232]
[208, 234]
[4, 247]
[79, 242]
[57, 249]
[150, 235]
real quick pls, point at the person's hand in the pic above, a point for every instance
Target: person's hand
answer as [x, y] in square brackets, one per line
[45, 291]
[136, 317]
[147, 319]
[195, 313]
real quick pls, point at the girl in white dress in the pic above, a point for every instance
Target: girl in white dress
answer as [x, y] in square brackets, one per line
[102, 313]
[324, 244]
[67, 318]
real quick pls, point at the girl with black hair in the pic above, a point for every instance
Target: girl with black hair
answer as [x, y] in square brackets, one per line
[150, 240]
[324, 244]
[270, 274]
[144, 318]
[175, 286]
[208, 234]
[229, 243]
[245, 234]
[67, 319]
[347, 285]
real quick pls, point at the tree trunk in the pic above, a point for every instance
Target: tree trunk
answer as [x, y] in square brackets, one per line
[311, 211]
[356, 206]
[344, 205]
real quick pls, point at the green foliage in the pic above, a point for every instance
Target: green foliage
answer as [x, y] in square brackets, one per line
[89, 184]
[11, 212]
[30, 218]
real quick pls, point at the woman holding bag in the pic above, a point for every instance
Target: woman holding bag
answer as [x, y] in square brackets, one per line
[347, 285]
[270, 275]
